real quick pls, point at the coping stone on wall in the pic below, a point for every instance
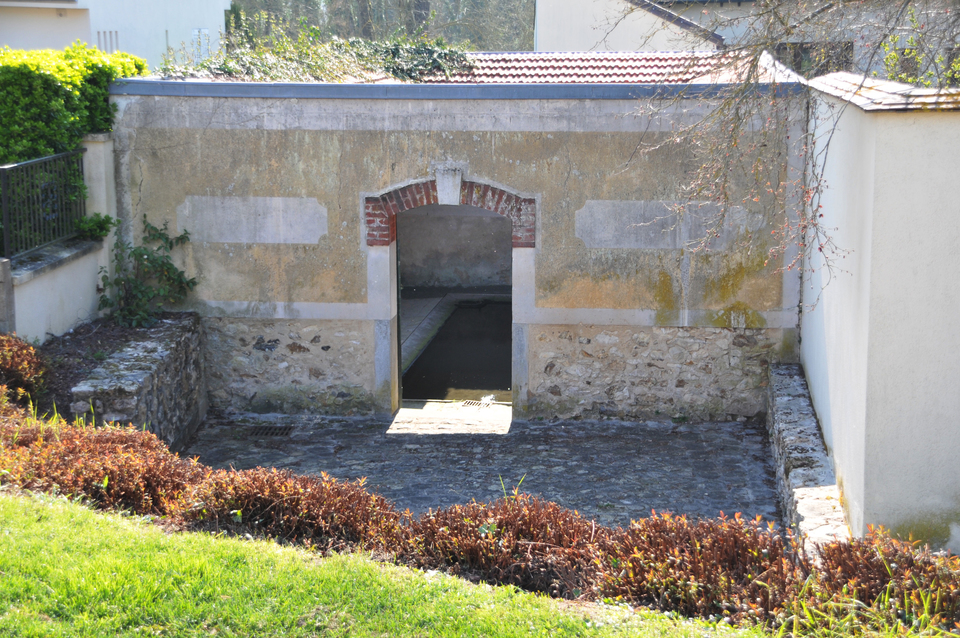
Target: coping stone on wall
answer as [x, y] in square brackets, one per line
[808, 490]
[25, 268]
[157, 383]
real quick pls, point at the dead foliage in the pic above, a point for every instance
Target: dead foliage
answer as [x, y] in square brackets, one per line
[115, 468]
[520, 540]
[718, 567]
[724, 568]
[319, 511]
[21, 369]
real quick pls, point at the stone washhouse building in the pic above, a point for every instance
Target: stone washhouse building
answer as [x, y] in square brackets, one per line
[292, 195]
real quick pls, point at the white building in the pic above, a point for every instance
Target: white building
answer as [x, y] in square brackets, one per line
[146, 28]
[617, 25]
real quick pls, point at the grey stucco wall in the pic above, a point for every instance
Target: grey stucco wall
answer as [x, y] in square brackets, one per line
[453, 247]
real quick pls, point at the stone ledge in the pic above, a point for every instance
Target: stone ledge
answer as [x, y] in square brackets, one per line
[807, 487]
[157, 383]
[48, 258]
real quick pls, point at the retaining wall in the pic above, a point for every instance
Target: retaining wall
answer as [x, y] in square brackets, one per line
[157, 383]
[810, 498]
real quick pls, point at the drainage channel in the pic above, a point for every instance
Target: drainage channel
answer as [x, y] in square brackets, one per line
[271, 430]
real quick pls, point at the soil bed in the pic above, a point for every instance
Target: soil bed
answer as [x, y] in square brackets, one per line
[72, 357]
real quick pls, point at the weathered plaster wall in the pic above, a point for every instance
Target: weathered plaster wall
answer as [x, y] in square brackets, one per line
[453, 246]
[879, 346]
[274, 193]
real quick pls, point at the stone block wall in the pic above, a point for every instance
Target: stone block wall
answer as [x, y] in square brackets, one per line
[157, 383]
[290, 366]
[650, 373]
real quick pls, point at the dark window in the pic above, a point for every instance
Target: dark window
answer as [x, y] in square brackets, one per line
[811, 59]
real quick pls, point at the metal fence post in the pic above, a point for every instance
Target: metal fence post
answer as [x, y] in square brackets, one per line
[4, 194]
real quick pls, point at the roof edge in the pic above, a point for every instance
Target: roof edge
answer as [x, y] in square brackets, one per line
[678, 20]
[872, 94]
[567, 91]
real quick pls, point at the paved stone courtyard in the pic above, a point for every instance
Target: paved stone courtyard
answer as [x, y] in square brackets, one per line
[434, 455]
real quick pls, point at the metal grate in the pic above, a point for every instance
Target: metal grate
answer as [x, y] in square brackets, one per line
[271, 430]
[41, 201]
[475, 404]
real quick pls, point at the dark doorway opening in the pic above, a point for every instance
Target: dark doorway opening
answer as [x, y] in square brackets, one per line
[469, 359]
[455, 311]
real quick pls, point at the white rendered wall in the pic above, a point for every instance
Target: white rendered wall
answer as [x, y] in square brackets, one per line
[42, 28]
[144, 28]
[879, 347]
[835, 325]
[913, 398]
[58, 300]
[605, 25]
[727, 19]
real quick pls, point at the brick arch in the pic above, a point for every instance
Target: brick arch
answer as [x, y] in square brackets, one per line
[380, 212]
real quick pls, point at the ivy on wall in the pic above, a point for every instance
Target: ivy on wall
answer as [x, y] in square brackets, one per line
[50, 99]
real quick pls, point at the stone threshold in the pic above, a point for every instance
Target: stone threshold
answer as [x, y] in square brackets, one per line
[810, 499]
[47, 259]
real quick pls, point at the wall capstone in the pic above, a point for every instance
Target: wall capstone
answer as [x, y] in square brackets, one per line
[809, 494]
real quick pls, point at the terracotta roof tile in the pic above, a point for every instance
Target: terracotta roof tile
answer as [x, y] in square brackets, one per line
[586, 67]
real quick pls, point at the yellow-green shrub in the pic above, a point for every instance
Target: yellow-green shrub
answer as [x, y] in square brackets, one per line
[50, 99]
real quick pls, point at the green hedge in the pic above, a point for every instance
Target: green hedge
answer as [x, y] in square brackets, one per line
[50, 99]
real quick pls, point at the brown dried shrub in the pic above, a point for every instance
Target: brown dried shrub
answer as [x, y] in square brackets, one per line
[717, 567]
[21, 368]
[899, 579]
[520, 540]
[116, 468]
[318, 511]
[729, 567]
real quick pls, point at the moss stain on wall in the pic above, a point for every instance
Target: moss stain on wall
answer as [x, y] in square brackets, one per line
[666, 299]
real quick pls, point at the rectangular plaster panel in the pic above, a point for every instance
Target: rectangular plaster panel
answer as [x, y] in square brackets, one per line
[659, 225]
[252, 220]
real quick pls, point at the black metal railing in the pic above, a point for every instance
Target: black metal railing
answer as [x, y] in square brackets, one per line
[41, 201]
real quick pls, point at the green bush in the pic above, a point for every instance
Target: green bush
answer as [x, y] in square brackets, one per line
[146, 277]
[95, 226]
[50, 99]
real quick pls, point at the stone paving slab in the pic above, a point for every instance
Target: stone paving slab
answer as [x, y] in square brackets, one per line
[610, 471]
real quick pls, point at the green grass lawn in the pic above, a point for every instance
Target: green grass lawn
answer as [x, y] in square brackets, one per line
[68, 571]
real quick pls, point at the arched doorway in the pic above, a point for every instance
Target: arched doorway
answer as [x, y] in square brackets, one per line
[453, 235]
